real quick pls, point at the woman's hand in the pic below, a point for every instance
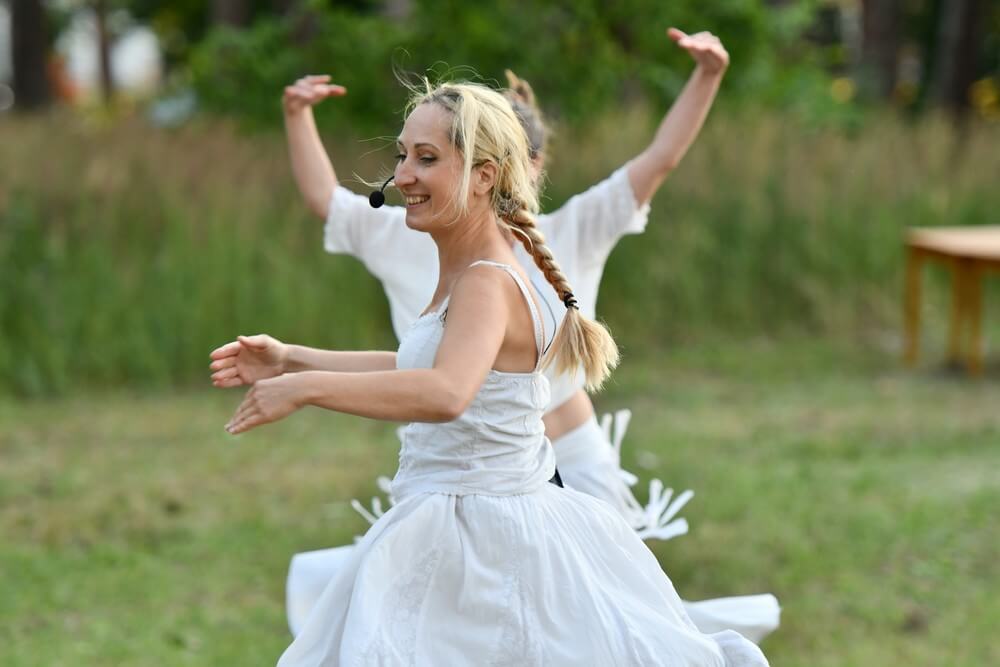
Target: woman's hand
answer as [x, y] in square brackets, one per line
[266, 402]
[704, 47]
[308, 91]
[247, 360]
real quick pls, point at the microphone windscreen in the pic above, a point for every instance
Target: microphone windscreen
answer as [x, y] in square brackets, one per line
[376, 199]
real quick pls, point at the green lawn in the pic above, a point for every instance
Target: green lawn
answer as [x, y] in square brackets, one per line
[135, 531]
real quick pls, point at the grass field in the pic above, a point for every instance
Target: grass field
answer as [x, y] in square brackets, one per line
[137, 532]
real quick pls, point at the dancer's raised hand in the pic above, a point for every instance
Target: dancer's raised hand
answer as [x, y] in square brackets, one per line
[704, 47]
[308, 91]
[267, 401]
[247, 360]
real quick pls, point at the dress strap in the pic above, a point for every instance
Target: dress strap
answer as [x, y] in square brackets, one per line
[536, 320]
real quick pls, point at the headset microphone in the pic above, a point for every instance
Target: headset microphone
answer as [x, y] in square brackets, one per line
[377, 198]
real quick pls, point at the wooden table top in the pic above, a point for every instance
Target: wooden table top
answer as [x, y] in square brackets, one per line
[967, 242]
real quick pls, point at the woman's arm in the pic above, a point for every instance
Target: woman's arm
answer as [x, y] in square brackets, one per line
[303, 359]
[313, 170]
[249, 359]
[477, 322]
[682, 123]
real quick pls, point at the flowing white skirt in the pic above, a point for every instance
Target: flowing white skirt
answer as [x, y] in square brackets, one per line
[551, 577]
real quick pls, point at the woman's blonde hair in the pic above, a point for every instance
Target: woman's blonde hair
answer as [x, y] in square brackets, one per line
[485, 128]
[522, 98]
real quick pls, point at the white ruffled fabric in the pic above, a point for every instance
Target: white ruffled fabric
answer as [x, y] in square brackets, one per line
[423, 588]
[592, 471]
[481, 561]
[589, 460]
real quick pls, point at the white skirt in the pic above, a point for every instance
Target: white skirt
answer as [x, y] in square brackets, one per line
[551, 577]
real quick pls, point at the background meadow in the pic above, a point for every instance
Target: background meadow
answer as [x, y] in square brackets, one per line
[759, 317]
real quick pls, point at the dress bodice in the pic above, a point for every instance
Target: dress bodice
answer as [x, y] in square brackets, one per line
[497, 446]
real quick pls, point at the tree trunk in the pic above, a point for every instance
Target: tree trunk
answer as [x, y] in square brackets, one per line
[955, 65]
[304, 19]
[880, 21]
[29, 48]
[234, 13]
[104, 50]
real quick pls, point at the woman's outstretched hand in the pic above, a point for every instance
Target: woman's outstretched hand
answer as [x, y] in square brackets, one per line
[704, 47]
[266, 402]
[247, 360]
[308, 91]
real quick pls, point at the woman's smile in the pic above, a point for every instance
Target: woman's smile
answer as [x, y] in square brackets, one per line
[416, 200]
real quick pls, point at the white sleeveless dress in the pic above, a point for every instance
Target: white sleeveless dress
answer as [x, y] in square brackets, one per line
[482, 561]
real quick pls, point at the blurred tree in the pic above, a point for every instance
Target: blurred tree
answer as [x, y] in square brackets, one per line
[231, 12]
[29, 50]
[955, 67]
[880, 25]
[100, 9]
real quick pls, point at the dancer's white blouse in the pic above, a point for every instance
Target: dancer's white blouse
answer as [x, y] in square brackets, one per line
[483, 562]
[581, 235]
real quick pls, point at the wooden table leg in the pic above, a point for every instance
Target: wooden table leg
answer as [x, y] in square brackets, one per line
[974, 314]
[958, 297]
[911, 306]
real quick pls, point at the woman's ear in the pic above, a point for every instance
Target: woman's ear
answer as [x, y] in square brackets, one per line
[484, 178]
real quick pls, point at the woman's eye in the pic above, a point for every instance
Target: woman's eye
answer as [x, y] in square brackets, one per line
[400, 157]
[427, 159]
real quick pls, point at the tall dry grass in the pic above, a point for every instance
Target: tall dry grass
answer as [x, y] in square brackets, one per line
[128, 252]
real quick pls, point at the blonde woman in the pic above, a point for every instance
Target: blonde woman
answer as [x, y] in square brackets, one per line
[582, 234]
[481, 561]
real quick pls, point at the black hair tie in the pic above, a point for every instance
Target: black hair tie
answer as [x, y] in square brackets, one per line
[570, 301]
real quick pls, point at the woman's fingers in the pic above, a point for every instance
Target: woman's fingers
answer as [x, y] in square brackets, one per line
[223, 362]
[247, 408]
[312, 90]
[245, 425]
[227, 350]
[675, 34]
[246, 418]
[227, 384]
[705, 48]
[257, 342]
[225, 374]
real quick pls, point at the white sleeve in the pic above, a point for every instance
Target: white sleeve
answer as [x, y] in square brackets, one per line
[595, 220]
[352, 224]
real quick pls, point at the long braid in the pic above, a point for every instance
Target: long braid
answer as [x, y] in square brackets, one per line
[578, 341]
[525, 228]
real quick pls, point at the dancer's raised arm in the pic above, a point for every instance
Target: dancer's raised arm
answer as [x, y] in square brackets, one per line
[684, 120]
[477, 321]
[314, 173]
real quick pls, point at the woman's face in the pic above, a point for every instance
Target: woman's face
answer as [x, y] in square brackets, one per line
[428, 169]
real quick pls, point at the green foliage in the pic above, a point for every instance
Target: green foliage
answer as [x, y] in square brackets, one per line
[583, 58]
[243, 72]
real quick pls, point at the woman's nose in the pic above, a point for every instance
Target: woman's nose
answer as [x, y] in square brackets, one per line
[404, 174]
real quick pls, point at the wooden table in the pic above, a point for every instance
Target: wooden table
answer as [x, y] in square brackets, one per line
[968, 252]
